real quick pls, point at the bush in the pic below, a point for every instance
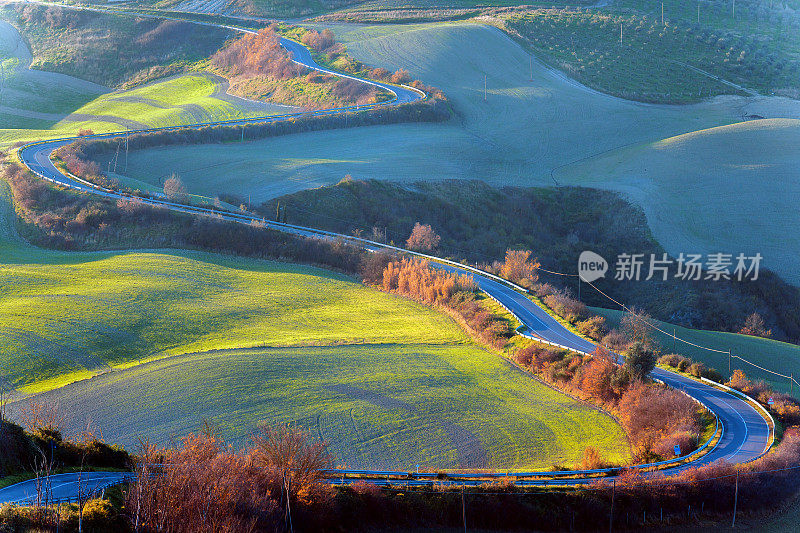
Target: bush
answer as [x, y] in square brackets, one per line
[655, 417]
[698, 370]
[639, 360]
[714, 375]
[593, 327]
[565, 306]
[590, 459]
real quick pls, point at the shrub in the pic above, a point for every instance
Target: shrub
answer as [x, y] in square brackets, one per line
[714, 375]
[593, 327]
[590, 459]
[568, 308]
[639, 360]
[400, 76]
[698, 370]
[615, 340]
[520, 268]
[259, 53]
[754, 325]
[423, 238]
[174, 189]
[655, 416]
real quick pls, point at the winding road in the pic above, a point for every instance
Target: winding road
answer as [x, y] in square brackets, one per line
[745, 434]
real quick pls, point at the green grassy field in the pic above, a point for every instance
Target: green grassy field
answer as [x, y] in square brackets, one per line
[233, 341]
[40, 105]
[774, 355]
[650, 62]
[723, 189]
[382, 405]
[76, 313]
[186, 99]
[507, 139]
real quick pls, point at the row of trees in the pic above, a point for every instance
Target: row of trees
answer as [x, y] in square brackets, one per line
[431, 110]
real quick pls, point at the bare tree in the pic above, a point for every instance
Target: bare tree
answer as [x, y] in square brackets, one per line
[42, 470]
[636, 326]
[84, 492]
[423, 238]
[292, 451]
[175, 189]
[45, 415]
[754, 325]
[378, 235]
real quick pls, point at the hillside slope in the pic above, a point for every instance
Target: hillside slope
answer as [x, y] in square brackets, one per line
[518, 135]
[730, 188]
[235, 341]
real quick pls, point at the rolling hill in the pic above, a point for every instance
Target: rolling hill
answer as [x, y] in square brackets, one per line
[523, 133]
[153, 344]
[729, 188]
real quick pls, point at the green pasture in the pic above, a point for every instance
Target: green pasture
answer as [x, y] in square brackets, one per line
[730, 189]
[154, 344]
[386, 405]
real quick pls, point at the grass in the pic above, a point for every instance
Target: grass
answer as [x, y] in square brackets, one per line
[775, 355]
[112, 49]
[785, 521]
[650, 62]
[491, 142]
[522, 132]
[174, 339]
[185, 99]
[47, 105]
[741, 176]
[189, 98]
[379, 405]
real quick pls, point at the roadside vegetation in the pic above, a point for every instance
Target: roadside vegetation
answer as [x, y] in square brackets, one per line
[775, 355]
[259, 67]
[478, 223]
[289, 322]
[655, 418]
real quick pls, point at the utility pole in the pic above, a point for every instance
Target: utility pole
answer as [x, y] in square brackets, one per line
[484, 87]
[729, 364]
[531, 60]
[698, 12]
[2, 80]
[735, 499]
[662, 13]
[463, 510]
[733, 8]
[613, 491]
[620, 33]
[127, 134]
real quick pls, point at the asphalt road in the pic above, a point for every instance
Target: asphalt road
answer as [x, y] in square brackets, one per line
[745, 434]
[64, 487]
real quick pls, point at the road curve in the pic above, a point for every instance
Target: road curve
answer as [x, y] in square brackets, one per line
[745, 434]
[63, 487]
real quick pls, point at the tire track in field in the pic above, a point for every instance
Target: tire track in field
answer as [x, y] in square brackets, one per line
[468, 446]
